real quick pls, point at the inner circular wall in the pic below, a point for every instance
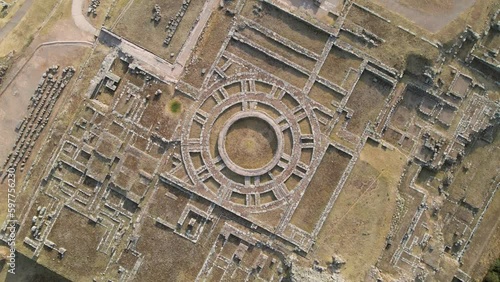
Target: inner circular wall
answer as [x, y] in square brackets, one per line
[264, 141]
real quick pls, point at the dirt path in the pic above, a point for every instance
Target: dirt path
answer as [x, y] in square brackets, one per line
[190, 43]
[79, 19]
[18, 16]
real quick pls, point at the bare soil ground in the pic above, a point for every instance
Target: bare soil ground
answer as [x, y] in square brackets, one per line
[360, 219]
[464, 12]
[15, 98]
[308, 9]
[64, 30]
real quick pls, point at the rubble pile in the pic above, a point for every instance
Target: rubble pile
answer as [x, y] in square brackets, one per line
[92, 10]
[3, 71]
[43, 101]
[174, 22]
[156, 17]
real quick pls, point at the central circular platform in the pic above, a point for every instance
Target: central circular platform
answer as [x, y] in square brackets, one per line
[250, 143]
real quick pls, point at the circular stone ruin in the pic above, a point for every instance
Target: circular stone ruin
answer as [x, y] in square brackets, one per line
[250, 143]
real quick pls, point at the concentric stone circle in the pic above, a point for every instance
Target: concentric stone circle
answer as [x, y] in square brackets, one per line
[235, 167]
[285, 109]
[213, 162]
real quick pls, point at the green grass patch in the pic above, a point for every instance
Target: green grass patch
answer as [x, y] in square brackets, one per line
[493, 274]
[175, 106]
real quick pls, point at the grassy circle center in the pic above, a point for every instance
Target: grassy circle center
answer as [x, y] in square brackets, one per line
[251, 143]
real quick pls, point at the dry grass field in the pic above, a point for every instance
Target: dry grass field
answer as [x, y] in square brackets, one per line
[485, 247]
[477, 183]
[183, 262]
[207, 47]
[325, 95]
[397, 45]
[367, 100]
[102, 16]
[337, 65]
[267, 63]
[320, 189]
[136, 25]
[407, 108]
[115, 11]
[360, 219]
[159, 110]
[278, 48]
[23, 34]
[287, 26]
[7, 14]
[74, 232]
[128, 143]
[251, 143]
